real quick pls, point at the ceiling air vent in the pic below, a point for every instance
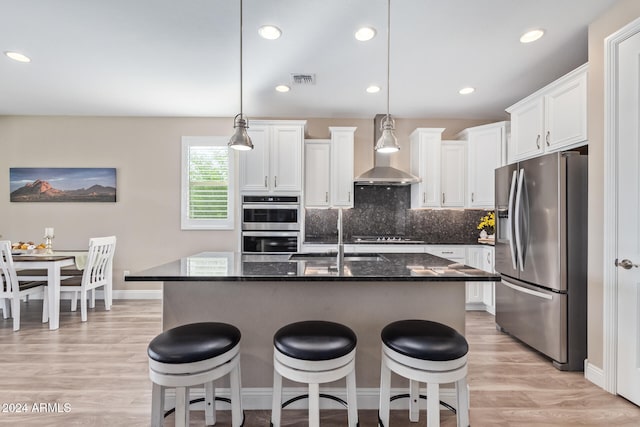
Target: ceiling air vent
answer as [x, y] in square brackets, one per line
[303, 79]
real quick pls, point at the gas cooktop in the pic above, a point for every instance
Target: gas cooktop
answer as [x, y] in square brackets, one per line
[386, 239]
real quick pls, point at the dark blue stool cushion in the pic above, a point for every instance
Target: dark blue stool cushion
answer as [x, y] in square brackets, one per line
[425, 340]
[315, 340]
[193, 342]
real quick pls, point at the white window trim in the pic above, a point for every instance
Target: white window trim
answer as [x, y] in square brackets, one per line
[201, 224]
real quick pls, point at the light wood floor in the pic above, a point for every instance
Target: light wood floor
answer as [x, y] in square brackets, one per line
[99, 370]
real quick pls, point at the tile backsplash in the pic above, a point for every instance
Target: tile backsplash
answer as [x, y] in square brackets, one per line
[385, 211]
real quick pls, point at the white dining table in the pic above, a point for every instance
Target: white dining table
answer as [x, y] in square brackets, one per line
[53, 264]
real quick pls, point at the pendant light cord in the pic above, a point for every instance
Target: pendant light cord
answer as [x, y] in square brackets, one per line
[388, 50]
[241, 59]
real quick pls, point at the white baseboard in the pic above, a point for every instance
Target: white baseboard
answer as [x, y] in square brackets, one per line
[260, 398]
[594, 374]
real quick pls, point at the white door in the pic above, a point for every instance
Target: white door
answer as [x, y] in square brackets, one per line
[628, 209]
[254, 164]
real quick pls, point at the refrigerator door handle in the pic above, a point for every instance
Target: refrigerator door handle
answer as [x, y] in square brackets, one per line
[527, 291]
[518, 212]
[512, 194]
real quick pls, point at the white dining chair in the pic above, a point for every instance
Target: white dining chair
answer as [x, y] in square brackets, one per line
[12, 291]
[98, 272]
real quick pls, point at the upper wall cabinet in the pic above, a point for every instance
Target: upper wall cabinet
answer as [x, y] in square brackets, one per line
[425, 164]
[552, 119]
[453, 174]
[329, 169]
[275, 164]
[442, 168]
[486, 151]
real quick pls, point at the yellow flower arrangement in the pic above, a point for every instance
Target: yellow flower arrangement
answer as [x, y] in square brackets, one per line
[488, 223]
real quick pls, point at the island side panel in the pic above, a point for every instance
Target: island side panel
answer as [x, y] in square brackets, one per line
[259, 308]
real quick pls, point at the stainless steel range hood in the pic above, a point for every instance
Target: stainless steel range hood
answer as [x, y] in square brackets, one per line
[382, 172]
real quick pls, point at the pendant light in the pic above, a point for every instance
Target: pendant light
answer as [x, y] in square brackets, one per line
[240, 139]
[388, 143]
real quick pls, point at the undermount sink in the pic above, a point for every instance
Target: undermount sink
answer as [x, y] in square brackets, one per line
[332, 257]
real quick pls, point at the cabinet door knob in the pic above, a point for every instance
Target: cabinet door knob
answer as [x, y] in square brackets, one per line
[472, 197]
[275, 181]
[424, 197]
[265, 181]
[547, 138]
[538, 141]
[326, 196]
[443, 198]
[626, 264]
[349, 196]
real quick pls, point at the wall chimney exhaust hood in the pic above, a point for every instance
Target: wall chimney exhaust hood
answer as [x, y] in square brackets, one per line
[382, 172]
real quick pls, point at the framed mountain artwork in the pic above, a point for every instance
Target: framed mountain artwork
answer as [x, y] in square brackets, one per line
[62, 184]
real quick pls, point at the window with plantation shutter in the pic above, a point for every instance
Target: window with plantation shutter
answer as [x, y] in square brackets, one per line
[207, 183]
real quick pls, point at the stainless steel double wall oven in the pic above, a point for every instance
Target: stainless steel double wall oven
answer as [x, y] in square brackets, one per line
[270, 224]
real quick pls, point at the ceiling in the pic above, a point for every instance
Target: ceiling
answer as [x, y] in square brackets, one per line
[181, 58]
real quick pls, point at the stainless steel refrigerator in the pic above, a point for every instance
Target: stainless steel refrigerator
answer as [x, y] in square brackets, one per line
[541, 253]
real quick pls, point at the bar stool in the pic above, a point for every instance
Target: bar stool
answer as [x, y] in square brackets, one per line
[190, 355]
[314, 352]
[428, 352]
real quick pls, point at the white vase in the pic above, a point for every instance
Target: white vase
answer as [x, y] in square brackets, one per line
[483, 234]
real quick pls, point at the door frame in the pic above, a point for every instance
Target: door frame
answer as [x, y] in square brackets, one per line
[610, 242]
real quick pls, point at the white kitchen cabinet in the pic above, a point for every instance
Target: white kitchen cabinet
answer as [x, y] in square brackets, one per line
[342, 146]
[317, 170]
[481, 295]
[475, 290]
[453, 173]
[489, 297]
[274, 166]
[486, 151]
[329, 169]
[454, 253]
[425, 163]
[441, 166]
[551, 119]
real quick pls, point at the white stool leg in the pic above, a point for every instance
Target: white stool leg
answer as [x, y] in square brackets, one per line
[314, 405]
[276, 407]
[385, 392]
[236, 397]
[92, 299]
[414, 401]
[157, 405]
[5, 308]
[182, 400]
[209, 404]
[462, 411]
[352, 399]
[433, 405]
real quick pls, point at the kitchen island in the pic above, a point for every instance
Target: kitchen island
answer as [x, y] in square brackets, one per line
[261, 293]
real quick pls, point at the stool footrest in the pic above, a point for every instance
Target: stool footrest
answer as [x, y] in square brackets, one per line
[306, 396]
[201, 399]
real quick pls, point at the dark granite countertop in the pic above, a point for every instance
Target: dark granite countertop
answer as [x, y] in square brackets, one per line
[230, 266]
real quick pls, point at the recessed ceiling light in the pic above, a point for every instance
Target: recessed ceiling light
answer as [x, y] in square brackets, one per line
[269, 32]
[365, 33]
[531, 36]
[17, 56]
[373, 89]
[466, 90]
[283, 88]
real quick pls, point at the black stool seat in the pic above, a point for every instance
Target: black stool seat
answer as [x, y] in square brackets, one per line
[315, 340]
[425, 340]
[193, 342]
